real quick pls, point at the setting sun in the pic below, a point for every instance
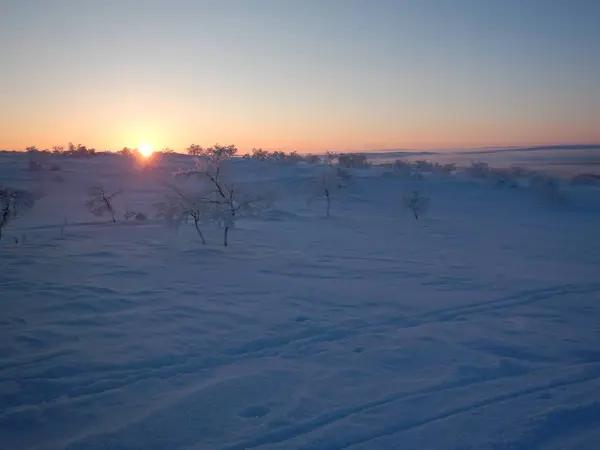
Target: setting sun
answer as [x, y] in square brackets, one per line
[146, 149]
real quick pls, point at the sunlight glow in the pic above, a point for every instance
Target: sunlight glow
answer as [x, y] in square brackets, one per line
[146, 150]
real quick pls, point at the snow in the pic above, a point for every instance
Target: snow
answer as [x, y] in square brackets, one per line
[475, 327]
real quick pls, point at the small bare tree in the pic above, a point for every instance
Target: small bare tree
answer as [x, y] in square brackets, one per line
[100, 202]
[228, 206]
[416, 203]
[13, 204]
[326, 184]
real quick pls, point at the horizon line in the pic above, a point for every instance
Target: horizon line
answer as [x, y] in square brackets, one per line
[431, 150]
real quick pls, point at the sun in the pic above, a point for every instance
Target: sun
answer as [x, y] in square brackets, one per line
[146, 150]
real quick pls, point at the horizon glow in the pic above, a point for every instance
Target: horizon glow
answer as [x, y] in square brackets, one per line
[316, 75]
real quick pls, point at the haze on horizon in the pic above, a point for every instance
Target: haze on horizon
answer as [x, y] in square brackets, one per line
[308, 75]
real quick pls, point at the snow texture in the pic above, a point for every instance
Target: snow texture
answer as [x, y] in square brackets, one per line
[474, 327]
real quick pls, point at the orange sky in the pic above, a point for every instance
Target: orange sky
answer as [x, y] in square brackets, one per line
[308, 76]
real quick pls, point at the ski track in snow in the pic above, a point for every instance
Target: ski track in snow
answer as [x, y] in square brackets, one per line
[475, 327]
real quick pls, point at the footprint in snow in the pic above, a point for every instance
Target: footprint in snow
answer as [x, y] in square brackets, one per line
[255, 411]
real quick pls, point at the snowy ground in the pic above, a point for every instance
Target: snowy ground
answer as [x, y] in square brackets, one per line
[476, 327]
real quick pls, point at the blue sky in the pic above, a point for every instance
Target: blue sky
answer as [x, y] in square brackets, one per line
[308, 75]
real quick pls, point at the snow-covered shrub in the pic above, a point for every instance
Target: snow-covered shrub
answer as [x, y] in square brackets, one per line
[139, 216]
[79, 150]
[547, 187]
[353, 161]
[276, 156]
[13, 204]
[406, 169]
[416, 203]
[503, 178]
[402, 167]
[128, 152]
[446, 169]
[218, 152]
[99, 202]
[479, 170]
[586, 179]
[259, 154]
[312, 159]
[330, 158]
[178, 206]
[423, 166]
[293, 158]
[519, 172]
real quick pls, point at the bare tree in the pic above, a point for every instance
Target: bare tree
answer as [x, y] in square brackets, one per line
[195, 150]
[220, 201]
[416, 203]
[326, 184]
[13, 204]
[100, 202]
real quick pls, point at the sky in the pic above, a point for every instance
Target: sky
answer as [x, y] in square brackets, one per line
[306, 75]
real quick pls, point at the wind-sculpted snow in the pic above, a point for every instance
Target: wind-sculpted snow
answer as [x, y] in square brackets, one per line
[474, 327]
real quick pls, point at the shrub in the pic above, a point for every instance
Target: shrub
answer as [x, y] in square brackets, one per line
[479, 170]
[353, 160]
[312, 159]
[13, 204]
[79, 150]
[178, 206]
[589, 179]
[216, 152]
[139, 216]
